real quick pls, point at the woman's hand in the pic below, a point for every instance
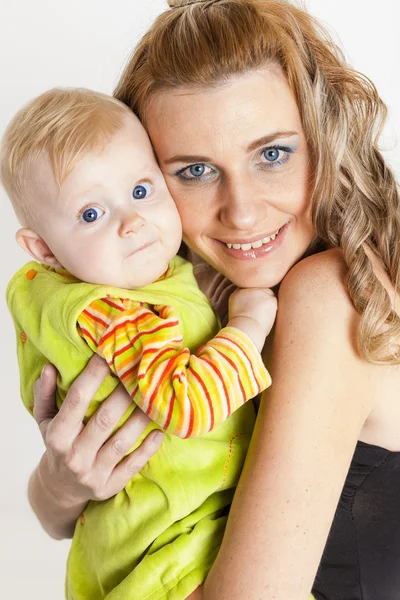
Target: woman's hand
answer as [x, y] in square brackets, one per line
[80, 462]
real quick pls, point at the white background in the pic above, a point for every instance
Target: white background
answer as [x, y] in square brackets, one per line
[85, 43]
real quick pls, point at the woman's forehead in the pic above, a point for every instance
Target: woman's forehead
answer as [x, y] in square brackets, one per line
[254, 104]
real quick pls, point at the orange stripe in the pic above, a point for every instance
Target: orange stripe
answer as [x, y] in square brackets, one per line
[123, 324]
[128, 372]
[215, 368]
[171, 408]
[99, 307]
[244, 352]
[124, 349]
[94, 318]
[161, 378]
[199, 379]
[155, 359]
[134, 392]
[129, 359]
[235, 368]
[107, 301]
[86, 333]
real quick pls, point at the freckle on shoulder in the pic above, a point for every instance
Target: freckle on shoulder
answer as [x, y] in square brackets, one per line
[318, 278]
[328, 263]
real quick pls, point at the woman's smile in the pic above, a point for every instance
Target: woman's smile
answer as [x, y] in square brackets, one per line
[261, 246]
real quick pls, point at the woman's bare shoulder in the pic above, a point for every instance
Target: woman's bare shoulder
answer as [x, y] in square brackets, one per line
[317, 286]
[328, 269]
[317, 327]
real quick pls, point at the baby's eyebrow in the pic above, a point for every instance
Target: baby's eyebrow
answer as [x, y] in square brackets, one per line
[84, 193]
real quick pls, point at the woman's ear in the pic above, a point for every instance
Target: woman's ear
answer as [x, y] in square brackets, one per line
[34, 245]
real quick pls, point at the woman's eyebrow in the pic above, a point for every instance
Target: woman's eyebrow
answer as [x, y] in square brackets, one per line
[267, 139]
[187, 158]
[196, 158]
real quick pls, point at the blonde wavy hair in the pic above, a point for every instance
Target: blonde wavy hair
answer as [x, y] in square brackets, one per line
[63, 123]
[354, 199]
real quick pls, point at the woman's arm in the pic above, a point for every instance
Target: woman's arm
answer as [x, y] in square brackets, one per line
[304, 440]
[81, 463]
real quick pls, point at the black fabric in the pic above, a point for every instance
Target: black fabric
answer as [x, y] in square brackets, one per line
[361, 560]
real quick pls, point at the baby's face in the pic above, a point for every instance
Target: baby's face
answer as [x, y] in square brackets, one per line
[113, 221]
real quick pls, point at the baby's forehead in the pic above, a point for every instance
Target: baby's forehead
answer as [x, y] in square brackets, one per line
[39, 172]
[57, 177]
[40, 188]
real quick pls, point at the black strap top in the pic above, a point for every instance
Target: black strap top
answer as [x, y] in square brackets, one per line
[361, 560]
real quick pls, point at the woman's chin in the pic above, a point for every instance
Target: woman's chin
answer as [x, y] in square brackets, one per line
[253, 282]
[251, 275]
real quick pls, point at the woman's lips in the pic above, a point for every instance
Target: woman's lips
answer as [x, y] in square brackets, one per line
[254, 253]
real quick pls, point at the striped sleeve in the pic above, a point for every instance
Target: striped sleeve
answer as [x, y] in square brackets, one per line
[187, 395]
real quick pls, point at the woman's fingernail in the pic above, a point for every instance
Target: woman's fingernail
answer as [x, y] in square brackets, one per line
[158, 437]
[43, 371]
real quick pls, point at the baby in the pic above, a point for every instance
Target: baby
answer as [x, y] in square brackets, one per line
[97, 215]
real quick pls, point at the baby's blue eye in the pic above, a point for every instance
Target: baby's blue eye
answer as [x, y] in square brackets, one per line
[141, 191]
[90, 215]
[271, 154]
[197, 170]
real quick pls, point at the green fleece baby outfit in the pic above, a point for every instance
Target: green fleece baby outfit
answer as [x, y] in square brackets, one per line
[158, 537]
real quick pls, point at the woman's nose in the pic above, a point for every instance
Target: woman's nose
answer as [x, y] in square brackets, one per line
[243, 206]
[130, 224]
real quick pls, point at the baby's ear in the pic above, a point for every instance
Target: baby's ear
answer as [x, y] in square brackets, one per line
[34, 245]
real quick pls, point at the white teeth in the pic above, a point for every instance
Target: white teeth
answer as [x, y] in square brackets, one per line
[254, 245]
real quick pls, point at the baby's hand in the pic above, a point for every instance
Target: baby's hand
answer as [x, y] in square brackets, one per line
[253, 311]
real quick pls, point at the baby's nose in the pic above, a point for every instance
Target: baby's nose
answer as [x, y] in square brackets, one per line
[130, 224]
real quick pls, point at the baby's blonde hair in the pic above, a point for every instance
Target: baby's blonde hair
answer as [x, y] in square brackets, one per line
[63, 124]
[355, 200]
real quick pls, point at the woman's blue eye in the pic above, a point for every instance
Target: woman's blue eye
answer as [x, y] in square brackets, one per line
[141, 191]
[271, 154]
[90, 215]
[197, 170]
[275, 156]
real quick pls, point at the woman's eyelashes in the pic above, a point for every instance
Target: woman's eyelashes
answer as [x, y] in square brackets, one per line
[274, 156]
[197, 172]
[267, 158]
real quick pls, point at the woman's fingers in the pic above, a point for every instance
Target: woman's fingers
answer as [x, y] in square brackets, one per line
[122, 440]
[102, 423]
[134, 463]
[82, 459]
[68, 421]
[44, 407]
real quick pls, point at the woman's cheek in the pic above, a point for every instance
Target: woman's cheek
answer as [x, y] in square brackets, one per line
[195, 213]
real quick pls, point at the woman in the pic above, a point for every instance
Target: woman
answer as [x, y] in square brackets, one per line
[268, 143]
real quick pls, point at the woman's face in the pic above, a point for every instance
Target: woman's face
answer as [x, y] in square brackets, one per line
[236, 163]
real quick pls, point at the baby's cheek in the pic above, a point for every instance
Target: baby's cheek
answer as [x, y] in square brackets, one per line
[93, 259]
